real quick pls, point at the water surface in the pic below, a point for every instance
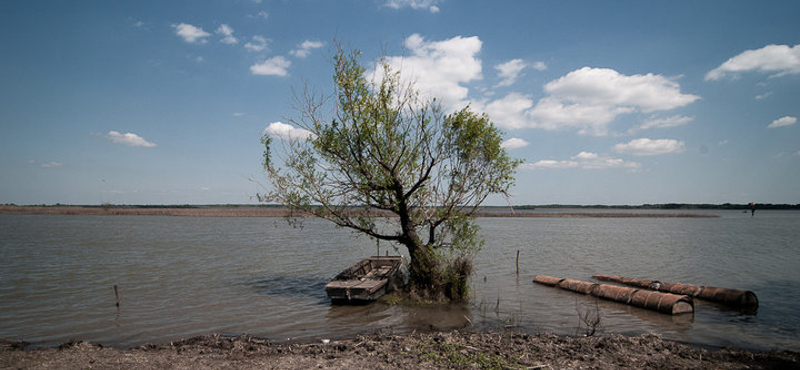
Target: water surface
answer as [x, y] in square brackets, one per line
[185, 276]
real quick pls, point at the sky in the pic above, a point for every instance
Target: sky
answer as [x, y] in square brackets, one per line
[623, 102]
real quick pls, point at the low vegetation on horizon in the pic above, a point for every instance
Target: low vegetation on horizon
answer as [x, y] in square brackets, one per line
[663, 206]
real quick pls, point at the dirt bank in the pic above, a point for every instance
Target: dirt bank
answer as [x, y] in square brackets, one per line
[417, 351]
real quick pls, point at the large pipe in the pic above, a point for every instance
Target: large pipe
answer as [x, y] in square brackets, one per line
[668, 303]
[730, 297]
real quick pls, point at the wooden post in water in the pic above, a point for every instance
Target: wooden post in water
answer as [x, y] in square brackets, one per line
[116, 294]
[517, 262]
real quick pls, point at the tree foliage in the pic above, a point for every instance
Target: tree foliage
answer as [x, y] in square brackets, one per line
[393, 166]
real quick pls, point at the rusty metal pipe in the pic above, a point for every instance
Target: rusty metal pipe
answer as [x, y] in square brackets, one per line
[668, 303]
[726, 296]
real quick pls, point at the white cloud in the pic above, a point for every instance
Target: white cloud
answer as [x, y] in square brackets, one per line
[550, 164]
[514, 143]
[439, 68]
[590, 98]
[259, 43]
[783, 122]
[777, 59]
[283, 131]
[509, 111]
[539, 66]
[429, 5]
[646, 147]
[128, 139]
[509, 71]
[673, 121]
[764, 95]
[586, 161]
[262, 14]
[276, 66]
[191, 34]
[304, 49]
[51, 164]
[227, 32]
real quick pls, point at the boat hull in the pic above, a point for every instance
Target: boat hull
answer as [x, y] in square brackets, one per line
[366, 281]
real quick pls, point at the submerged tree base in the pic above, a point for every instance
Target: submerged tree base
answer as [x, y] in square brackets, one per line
[410, 297]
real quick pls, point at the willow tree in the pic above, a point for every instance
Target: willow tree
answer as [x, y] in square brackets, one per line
[386, 163]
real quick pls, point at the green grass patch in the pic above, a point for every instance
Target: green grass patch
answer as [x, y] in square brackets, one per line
[461, 355]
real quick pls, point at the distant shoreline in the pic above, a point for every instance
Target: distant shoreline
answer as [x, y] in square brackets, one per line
[278, 211]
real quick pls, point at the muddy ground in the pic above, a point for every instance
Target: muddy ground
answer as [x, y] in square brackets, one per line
[416, 351]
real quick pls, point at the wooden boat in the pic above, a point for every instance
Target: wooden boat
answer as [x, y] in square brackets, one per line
[365, 281]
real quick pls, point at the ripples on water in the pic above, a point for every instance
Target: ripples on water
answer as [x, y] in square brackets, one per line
[185, 276]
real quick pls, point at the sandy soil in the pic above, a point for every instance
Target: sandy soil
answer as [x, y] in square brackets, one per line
[416, 351]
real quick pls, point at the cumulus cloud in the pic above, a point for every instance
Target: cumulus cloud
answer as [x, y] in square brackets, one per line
[590, 98]
[304, 49]
[655, 122]
[647, 147]
[259, 43]
[776, 59]
[783, 122]
[276, 66]
[128, 139]
[429, 5]
[284, 131]
[539, 66]
[585, 160]
[261, 14]
[227, 33]
[191, 34]
[509, 71]
[509, 111]
[764, 95]
[514, 143]
[439, 68]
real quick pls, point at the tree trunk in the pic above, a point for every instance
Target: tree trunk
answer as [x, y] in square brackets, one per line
[423, 269]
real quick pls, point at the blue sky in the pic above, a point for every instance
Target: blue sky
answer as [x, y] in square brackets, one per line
[164, 102]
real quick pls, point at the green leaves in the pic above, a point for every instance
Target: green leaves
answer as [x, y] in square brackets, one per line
[384, 149]
[267, 160]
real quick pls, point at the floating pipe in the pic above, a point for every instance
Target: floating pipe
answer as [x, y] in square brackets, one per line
[730, 297]
[668, 303]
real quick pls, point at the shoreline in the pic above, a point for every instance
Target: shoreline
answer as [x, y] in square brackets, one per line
[442, 350]
[277, 211]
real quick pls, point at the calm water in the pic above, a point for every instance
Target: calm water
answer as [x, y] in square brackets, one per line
[182, 276]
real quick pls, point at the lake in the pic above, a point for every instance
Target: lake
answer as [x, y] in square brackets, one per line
[179, 277]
